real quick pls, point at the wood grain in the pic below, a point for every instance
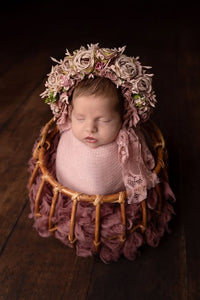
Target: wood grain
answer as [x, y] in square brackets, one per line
[166, 37]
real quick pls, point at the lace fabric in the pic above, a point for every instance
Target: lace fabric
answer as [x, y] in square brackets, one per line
[137, 164]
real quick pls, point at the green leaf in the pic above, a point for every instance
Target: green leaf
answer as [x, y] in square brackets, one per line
[137, 96]
[51, 98]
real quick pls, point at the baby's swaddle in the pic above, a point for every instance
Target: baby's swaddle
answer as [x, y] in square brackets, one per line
[87, 170]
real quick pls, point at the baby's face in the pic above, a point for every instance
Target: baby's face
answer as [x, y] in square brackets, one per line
[95, 120]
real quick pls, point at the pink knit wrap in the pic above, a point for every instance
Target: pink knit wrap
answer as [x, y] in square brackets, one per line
[124, 164]
[89, 171]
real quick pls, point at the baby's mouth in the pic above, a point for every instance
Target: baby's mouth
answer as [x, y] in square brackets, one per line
[90, 139]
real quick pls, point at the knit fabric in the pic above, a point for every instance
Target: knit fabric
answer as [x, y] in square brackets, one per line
[88, 170]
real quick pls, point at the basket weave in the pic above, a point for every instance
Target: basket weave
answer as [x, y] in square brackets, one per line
[48, 133]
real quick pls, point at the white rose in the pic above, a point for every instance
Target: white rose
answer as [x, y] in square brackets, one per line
[66, 65]
[143, 84]
[126, 68]
[84, 61]
[53, 77]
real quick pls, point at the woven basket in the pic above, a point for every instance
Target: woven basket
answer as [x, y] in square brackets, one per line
[48, 133]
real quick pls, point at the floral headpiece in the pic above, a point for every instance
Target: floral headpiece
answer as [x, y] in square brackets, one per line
[125, 72]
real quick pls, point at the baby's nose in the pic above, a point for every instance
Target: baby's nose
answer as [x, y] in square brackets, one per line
[91, 126]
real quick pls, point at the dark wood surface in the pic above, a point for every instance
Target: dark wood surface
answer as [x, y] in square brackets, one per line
[165, 36]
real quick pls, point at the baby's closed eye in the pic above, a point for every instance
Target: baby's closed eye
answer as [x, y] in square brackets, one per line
[105, 120]
[79, 117]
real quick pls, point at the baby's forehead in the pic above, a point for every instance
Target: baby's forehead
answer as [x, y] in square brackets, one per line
[103, 99]
[98, 103]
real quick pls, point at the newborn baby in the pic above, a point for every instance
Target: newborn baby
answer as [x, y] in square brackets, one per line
[95, 155]
[87, 154]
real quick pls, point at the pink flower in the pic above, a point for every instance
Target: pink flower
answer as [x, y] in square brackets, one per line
[66, 82]
[100, 65]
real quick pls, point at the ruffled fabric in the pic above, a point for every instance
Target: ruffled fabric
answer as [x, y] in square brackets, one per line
[111, 230]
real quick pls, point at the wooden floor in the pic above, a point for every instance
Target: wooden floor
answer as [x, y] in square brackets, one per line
[164, 36]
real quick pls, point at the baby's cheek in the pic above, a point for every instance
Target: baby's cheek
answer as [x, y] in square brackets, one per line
[111, 132]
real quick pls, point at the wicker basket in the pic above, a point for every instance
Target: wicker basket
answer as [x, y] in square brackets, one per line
[48, 133]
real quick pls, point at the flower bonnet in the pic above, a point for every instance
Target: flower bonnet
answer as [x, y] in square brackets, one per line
[125, 72]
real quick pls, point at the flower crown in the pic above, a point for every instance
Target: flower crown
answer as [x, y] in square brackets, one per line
[125, 72]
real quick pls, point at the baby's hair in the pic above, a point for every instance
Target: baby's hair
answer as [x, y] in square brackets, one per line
[99, 86]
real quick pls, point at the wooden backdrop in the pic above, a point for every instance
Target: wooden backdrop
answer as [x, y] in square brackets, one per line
[166, 36]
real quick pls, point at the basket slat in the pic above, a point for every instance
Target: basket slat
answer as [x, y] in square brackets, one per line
[37, 199]
[53, 204]
[98, 201]
[71, 237]
[122, 197]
